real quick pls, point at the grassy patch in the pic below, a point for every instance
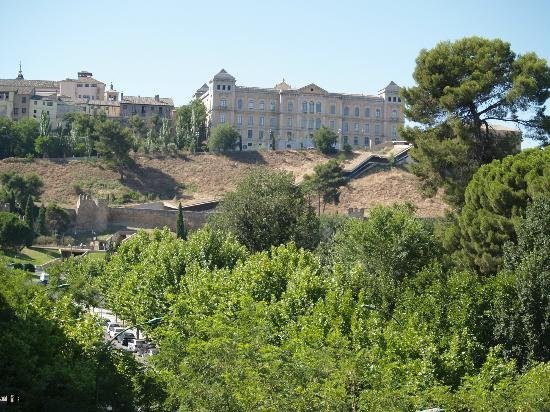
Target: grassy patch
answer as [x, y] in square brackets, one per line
[32, 255]
[96, 256]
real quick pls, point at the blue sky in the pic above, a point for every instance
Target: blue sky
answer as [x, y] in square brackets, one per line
[172, 47]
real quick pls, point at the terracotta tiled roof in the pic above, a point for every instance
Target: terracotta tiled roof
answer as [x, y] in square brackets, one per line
[163, 101]
[29, 83]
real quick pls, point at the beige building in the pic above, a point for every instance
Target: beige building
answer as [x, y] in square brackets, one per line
[145, 107]
[291, 115]
[83, 87]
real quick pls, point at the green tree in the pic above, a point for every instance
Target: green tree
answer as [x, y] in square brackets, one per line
[29, 213]
[325, 140]
[181, 230]
[113, 145]
[83, 135]
[267, 209]
[14, 233]
[479, 81]
[26, 132]
[139, 131]
[19, 187]
[326, 183]
[41, 221]
[57, 219]
[224, 137]
[495, 200]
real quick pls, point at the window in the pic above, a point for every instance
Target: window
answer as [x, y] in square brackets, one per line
[318, 107]
[355, 140]
[80, 96]
[223, 103]
[345, 126]
[35, 102]
[142, 109]
[272, 106]
[24, 99]
[346, 111]
[249, 134]
[394, 114]
[356, 111]
[311, 124]
[262, 105]
[367, 142]
[218, 87]
[94, 85]
[290, 106]
[49, 104]
[394, 99]
[311, 107]
[377, 130]
[15, 110]
[239, 119]
[376, 140]
[260, 134]
[304, 107]
[288, 136]
[367, 129]
[24, 110]
[34, 111]
[332, 124]
[332, 109]
[87, 85]
[356, 126]
[222, 118]
[228, 87]
[378, 113]
[223, 87]
[272, 122]
[345, 139]
[262, 121]
[303, 123]
[250, 104]
[79, 85]
[250, 120]
[240, 104]
[389, 98]
[399, 99]
[367, 112]
[289, 122]
[394, 132]
[317, 123]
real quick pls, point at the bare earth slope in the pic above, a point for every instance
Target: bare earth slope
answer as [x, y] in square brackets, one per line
[207, 176]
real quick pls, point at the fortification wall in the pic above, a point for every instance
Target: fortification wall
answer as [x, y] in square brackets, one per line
[150, 219]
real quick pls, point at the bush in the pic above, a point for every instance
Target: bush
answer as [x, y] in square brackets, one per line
[14, 233]
[29, 267]
[223, 138]
[324, 140]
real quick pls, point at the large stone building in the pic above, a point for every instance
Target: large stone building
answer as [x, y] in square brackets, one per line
[289, 116]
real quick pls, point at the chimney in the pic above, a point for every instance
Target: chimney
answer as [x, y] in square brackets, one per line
[157, 99]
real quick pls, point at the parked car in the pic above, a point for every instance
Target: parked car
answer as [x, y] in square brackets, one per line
[116, 331]
[136, 344]
[124, 337]
[151, 349]
[111, 326]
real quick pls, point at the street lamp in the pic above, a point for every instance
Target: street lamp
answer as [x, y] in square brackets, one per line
[61, 286]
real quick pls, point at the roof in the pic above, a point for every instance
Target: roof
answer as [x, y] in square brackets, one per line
[29, 83]
[83, 80]
[18, 89]
[223, 75]
[163, 101]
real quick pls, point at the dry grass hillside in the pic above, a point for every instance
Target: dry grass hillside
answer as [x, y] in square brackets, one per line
[207, 176]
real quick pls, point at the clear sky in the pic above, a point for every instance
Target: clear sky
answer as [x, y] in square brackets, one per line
[172, 47]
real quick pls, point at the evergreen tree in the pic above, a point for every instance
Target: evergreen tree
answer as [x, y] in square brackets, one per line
[181, 230]
[41, 222]
[29, 212]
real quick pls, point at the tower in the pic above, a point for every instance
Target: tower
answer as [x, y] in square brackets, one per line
[20, 75]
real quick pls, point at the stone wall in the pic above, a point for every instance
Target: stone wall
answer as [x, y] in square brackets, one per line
[150, 219]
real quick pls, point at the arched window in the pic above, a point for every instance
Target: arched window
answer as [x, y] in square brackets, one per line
[311, 107]
[346, 111]
[394, 114]
[356, 111]
[240, 104]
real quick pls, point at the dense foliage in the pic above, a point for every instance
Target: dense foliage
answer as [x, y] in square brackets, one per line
[325, 140]
[326, 183]
[14, 232]
[267, 209]
[461, 87]
[224, 137]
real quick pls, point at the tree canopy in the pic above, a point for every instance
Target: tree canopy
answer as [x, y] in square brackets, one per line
[325, 140]
[224, 137]
[326, 182]
[461, 88]
[114, 144]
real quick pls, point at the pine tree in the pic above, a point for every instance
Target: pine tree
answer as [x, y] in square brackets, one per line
[181, 230]
[29, 213]
[41, 222]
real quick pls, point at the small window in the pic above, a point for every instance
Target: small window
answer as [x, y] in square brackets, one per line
[394, 99]
[304, 107]
[249, 144]
[222, 118]
[355, 140]
[250, 104]
[356, 111]
[311, 107]
[272, 105]
[288, 136]
[394, 132]
[311, 124]
[240, 104]
[378, 112]
[228, 87]
[249, 135]
[345, 139]
[346, 111]
[367, 112]
[318, 107]
[239, 119]
[290, 106]
[15, 110]
[24, 110]
[87, 85]
[218, 87]
[367, 128]
[394, 114]
[260, 135]
[49, 104]
[345, 127]
[317, 123]
[399, 99]
[34, 111]
[289, 122]
[303, 123]
[332, 109]
[273, 122]
[377, 130]
[356, 126]
[367, 142]
[35, 102]
[332, 125]
[262, 121]
[250, 120]
[223, 103]
[79, 85]
[223, 87]
[23, 99]
[94, 85]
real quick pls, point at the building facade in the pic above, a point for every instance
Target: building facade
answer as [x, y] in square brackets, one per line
[289, 117]
[83, 87]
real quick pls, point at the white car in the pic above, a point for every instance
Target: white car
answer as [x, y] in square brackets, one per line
[111, 326]
[115, 331]
[134, 345]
